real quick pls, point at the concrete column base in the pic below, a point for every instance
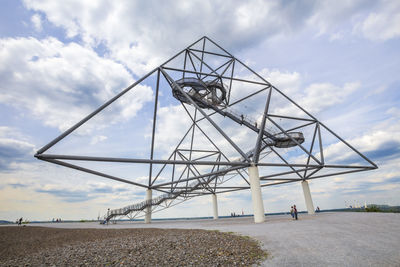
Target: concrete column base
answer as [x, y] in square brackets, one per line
[215, 206]
[256, 196]
[147, 217]
[307, 197]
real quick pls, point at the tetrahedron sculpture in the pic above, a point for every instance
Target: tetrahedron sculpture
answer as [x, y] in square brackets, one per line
[241, 133]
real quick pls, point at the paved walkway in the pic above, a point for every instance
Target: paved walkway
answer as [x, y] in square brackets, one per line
[324, 239]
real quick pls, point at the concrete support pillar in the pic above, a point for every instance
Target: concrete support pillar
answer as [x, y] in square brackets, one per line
[147, 218]
[215, 206]
[307, 197]
[258, 205]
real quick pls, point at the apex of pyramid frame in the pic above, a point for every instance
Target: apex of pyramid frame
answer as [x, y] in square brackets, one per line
[208, 80]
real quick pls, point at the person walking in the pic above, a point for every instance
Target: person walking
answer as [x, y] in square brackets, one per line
[20, 221]
[292, 212]
[295, 212]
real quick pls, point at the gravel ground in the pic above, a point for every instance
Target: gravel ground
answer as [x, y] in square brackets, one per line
[42, 246]
[324, 239]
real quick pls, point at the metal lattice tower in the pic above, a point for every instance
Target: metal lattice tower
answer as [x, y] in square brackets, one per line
[237, 120]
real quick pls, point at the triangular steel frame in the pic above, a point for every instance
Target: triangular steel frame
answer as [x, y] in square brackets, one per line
[213, 182]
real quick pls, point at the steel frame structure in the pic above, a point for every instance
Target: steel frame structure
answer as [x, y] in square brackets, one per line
[193, 182]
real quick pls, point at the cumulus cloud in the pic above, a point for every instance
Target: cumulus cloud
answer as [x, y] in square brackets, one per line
[382, 25]
[143, 41]
[36, 20]
[313, 97]
[319, 96]
[333, 19]
[378, 145]
[13, 148]
[171, 126]
[395, 112]
[87, 191]
[98, 138]
[49, 78]
[322, 95]
[329, 16]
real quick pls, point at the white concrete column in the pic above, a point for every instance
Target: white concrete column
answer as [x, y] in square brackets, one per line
[215, 206]
[258, 205]
[307, 197]
[147, 218]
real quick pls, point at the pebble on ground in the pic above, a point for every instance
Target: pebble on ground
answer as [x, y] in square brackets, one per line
[38, 246]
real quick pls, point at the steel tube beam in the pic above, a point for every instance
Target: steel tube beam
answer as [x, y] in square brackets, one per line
[311, 148]
[321, 149]
[284, 173]
[205, 64]
[314, 166]
[339, 173]
[129, 160]
[173, 153]
[200, 176]
[154, 126]
[297, 143]
[281, 179]
[214, 75]
[79, 168]
[256, 154]
[286, 162]
[91, 115]
[344, 141]
[169, 60]
[298, 127]
[226, 68]
[290, 117]
[207, 117]
[237, 101]
[210, 53]
[202, 54]
[313, 172]
[230, 81]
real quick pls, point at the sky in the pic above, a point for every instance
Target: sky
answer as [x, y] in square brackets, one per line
[60, 61]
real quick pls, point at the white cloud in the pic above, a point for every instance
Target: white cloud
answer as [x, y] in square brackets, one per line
[142, 41]
[319, 96]
[61, 83]
[380, 143]
[36, 20]
[333, 18]
[329, 16]
[395, 112]
[7, 131]
[14, 148]
[289, 82]
[382, 25]
[16, 144]
[172, 123]
[314, 98]
[98, 138]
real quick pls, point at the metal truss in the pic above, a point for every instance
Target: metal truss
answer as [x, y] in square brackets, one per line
[206, 93]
